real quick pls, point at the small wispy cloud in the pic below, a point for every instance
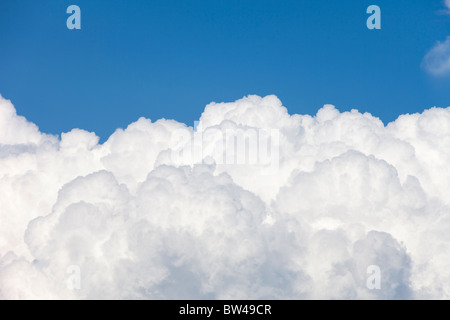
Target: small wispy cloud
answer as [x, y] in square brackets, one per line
[437, 60]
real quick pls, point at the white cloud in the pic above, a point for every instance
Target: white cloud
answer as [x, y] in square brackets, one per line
[348, 193]
[437, 60]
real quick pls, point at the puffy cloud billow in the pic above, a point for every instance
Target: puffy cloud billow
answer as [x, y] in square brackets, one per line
[334, 206]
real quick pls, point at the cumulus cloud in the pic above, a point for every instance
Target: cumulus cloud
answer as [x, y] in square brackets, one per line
[163, 210]
[437, 60]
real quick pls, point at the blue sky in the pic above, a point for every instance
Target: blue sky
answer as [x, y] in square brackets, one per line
[169, 58]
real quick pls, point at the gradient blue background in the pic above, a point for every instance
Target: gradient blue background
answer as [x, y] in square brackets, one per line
[169, 58]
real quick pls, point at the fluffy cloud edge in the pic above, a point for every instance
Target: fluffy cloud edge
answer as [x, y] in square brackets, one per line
[437, 61]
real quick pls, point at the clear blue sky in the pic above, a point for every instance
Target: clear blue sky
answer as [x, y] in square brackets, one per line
[169, 58]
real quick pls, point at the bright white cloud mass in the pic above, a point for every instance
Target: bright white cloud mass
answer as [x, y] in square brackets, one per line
[437, 61]
[348, 193]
